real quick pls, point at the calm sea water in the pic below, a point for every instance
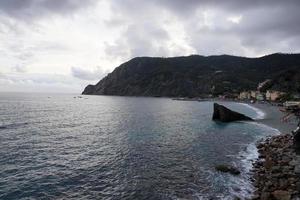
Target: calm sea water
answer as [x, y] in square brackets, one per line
[102, 147]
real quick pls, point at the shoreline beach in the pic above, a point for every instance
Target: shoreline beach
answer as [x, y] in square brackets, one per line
[273, 118]
[274, 155]
[276, 170]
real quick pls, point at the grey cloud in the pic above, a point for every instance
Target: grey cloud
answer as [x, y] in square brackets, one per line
[2, 75]
[20, 82]
[188, 6]
[145, 39]
[267, 25]
[36, 78]
[19, 69]
[140, 40]
[270, 30]
[24, 9]
[281, 21]
[83, 74]
[119, 49]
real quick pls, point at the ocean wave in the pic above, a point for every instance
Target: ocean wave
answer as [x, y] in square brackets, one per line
[241, 186]
[274, 131]
[248, 155]
[260, 113]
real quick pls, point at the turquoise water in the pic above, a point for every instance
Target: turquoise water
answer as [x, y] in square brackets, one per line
[102, 147]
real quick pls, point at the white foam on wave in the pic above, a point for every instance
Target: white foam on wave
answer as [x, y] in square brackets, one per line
[260, 114]
[274, 131]
[246, 188]
[250, 154]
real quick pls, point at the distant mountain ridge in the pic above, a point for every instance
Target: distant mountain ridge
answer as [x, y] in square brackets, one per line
[195, 75]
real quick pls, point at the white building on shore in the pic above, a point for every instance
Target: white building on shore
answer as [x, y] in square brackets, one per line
[244, 95]
[272, 95]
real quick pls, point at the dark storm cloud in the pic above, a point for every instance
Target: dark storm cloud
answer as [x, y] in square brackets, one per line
[266, 26]
[187, 7]
[28, 9]
[281, 21]
[179, 6]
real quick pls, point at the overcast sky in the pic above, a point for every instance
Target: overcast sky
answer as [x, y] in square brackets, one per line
[62, 45]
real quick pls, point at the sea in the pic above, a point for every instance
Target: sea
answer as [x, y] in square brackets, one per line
[68, 146]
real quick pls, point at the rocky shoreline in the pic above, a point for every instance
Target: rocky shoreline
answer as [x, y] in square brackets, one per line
[276, 173]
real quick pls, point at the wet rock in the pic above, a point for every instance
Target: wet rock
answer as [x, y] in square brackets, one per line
[283, 184]
[297, 139]
[237, 198]
[265, 196]
[255, 197]
[276, 172]
[268, 163]
[227, 169]
[298, 186]
[297, 169]
[223, 114]
[276, 169]
[281, 195]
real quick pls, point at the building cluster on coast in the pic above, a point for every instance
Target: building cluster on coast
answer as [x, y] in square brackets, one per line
[269, 95]
[274, 96]
[262, 94]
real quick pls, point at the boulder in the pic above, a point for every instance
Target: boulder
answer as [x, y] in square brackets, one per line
[227, 169]
[281, 195]
[223, 114]
[297, 140]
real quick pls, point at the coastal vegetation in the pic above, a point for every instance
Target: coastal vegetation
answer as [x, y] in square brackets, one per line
[200, 76]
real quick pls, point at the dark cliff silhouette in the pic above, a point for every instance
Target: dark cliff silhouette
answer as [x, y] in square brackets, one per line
[199, 75]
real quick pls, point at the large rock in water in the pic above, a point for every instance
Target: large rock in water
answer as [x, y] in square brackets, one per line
[227, 169]
[223, 114]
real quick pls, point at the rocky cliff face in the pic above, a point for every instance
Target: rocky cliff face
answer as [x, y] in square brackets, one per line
[195, 75]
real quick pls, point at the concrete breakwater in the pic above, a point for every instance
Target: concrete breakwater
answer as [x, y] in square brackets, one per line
[276, 173]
